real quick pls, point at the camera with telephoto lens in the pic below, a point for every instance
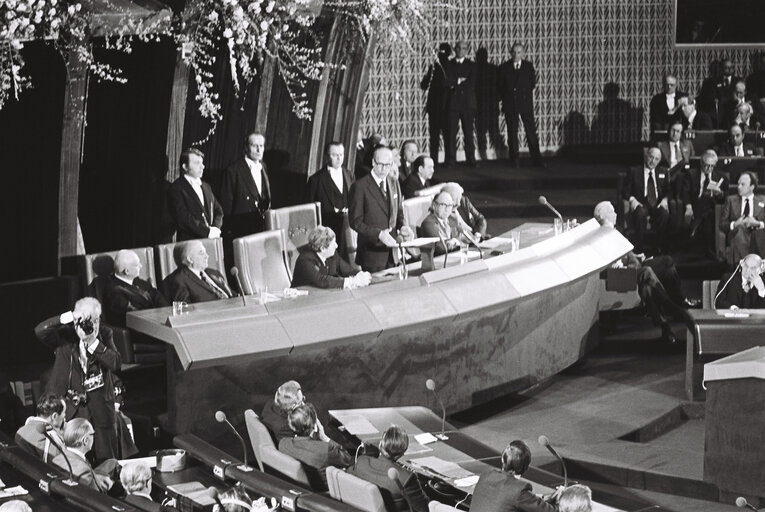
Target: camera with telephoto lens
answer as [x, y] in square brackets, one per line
[86, 324]
[76, 398]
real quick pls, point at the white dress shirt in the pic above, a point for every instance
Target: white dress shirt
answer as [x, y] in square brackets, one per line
[739, 150]
[256, 169]
[744, 199]
[670, 101]
[196, 184]
[337, 177]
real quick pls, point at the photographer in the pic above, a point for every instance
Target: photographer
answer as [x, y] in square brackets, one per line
[83, 372]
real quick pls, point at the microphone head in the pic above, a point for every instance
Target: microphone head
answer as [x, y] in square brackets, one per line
[393, 474]
[543, 200]
[543, 440]
[740, 501]
[430, 384]
[234, 271]
[220, 416]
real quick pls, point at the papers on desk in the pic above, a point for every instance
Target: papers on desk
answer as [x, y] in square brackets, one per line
[13, 491]
[440, 468]
[493, 243]
[194, 491]
[358, 425]
[469, 481]
[149, 461]
[419, 242]
[425, 438]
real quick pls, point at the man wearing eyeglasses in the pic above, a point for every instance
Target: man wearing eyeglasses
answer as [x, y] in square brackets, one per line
[441, 223]
[376, 214]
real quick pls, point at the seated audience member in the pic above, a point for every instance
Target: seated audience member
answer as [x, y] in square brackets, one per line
[195, 210]
[15, 506]
[320, 266]
[502, 490]
[658, 281]
[42, 435]
[674, 151]
[743, 219]
[575, 498]
[193, 281]
[735, 146]
[409, 152]
[234, 499]
[127, 291]
[700, 190]
[467, 215]
[664, 106]
[693, 119]
[441, 223]
[311, 446]
[420, 178]
[647, 190]
[729, 107]
[78, 436]
[275, 412]
[136, 480]
[743, 288]
[744, 117]
[393, 445]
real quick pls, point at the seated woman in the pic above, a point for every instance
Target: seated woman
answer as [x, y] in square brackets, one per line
[393, 445]
[320, 266]
[441, 223]
[312, 447]
[502, 490]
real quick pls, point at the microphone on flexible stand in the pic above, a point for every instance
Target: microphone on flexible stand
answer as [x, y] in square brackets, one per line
[543, 202]
[212, 493]
[394, 475]
[235, 274]
[220, 417]
[742, 503]
[431, 385]
[546, 443]
[402, 254]
[69, 481]
[474, 242]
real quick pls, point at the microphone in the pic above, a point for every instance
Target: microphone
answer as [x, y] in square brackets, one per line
[69, 481]
[212, 493]
[235, 274]
[742, 503]
[393, 475]
[446, 250]
[546, 443]
[220, 417]
[431, 385]
[543, 202]
[402, 254]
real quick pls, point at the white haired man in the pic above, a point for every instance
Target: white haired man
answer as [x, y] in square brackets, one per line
[193, 281]
[127, 291]
[78, 436]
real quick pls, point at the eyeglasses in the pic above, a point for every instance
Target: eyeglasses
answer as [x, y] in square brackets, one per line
[384, 165]
[448, 205]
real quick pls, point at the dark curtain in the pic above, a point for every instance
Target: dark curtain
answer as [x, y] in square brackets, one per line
[30, 131]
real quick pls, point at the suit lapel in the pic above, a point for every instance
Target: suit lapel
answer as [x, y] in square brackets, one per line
[197, 280]
[189, 191]
[377, 193]
[246, 175]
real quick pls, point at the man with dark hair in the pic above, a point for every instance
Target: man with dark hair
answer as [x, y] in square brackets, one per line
[743, 219]
[460, 81]
[664, 106]
[647, 190]
[319, 266]
[434, 82]
[421, 177]
[716, 88]
[42, 435]
[128, 292]
[193, 281]
[195, 210]
[675, 151]
[392, 446]
[409, 152]
[735, 145]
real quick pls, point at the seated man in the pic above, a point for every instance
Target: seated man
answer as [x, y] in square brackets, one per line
[312, 447]
[193, 281]
[275, 412]
[735, 146]
[647, 190]
[730, 103]
[467, 215]
[442, 224]
[693, 119]
[41, 435]
[743, 288]
[78, 436]
[136, 480]
[575, 498]
[321, 267]
[409, 152]
[127, 291]
[700, 190]
[675, 152]
[419, 179]
[502, 490]
[393, 445]
[743, 219]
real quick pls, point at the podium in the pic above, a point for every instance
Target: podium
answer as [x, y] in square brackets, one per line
[734, 452]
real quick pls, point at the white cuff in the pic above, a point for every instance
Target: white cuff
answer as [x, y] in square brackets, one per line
[93, 346]
[732, 225]
[66, 318]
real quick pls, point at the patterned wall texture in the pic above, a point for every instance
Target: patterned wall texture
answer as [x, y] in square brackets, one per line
[598, 64]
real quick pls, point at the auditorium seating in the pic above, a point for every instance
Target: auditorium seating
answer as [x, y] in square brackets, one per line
[259, 435]
[284, 465]
[261, 261]
[708, 291]
[415, 211]
[354, 491]
[169, 256]
[296, 222]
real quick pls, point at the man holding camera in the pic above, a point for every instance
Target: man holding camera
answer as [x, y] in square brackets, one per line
[84, 369]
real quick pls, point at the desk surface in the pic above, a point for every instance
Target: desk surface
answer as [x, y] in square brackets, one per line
[36, 499]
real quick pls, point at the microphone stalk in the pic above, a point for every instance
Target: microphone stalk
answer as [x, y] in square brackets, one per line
[70, 480]
[446, 248]
[543, 201]
[402, 255]
[220, 417]
[431, 385]
[546, 443]
[235, 273]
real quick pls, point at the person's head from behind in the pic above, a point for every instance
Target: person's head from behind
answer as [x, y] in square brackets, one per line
[454, 190]
[234, 499]
[409, 151]
[394, 443]
[575, 498]
[136, 477]
[322, 241]
[194, 255]
[192, 162]
[78, 434]
[516, 458]
[127, 264]
[751, 266]
[444, 51]
[335, 154]
[424, 166]
[15, 506]
[288, 396]
[605, 214]
[302, 420]
[52, 408]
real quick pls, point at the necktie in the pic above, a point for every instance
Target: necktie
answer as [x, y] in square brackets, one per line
[215, 288]
[739, 151]
[517, 66]
[746, 207]
[382, 189]
[705, 185]
[651, 192]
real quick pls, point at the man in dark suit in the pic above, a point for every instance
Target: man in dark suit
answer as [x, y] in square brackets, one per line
[409, 153]
[321, 267]
[434, 82]
[700, 190]
[735, 145]
[193, 281]
[79, 438]
[675, 152]
[743, 288]
[460, 80]
[502, 490]
[329, 186]
[440, 223]
[517, 80]
[664, 106]
[692, 118]
[128, 292]
[464, 211]
[84, 371]
[420, 178]
[392, 446]
[195, 210]
[647, 188]
[716, 88]
[743, 219]
[42, 435]
[245, 191]
[375, 212]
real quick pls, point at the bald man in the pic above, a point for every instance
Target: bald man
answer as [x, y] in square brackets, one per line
[193, 281]
[744, 287]
[647, 190]
[128, 292]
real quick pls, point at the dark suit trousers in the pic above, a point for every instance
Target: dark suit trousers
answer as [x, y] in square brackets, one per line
[530, 127]
[438, 129]
[487, 123]
[666, 272]
[659, 220]
[658, 303]
[464, 116]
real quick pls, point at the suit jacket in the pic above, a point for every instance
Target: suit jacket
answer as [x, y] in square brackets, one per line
[412, 184]
[739, 239]
[686, 152]
[634, 184]
[690, 186]
[144, 503]
[370, 213]
[516, 87]
[658, 112]
[184, 285]
[497, 491]
[192, 219]
[434, 82]
[122, 297]
[83, 472]
[701, 121]
[276, 421]
[727, 150]
[334, 202]
[472, 216]
[431, 227]
[316, 456]
[734, 295]
[32, 439]
[375, 470]
[311, 271]
[243, 205]
[461, 95]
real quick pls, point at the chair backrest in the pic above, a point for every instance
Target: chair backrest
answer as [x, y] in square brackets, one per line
[297, 222]
[284, 464]
[430, 191]
[97, 268]
[437, 506]
[708, 292]
[260, 258]
[354, 491]
[169, 256]
[415, 211]
[259, 435]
